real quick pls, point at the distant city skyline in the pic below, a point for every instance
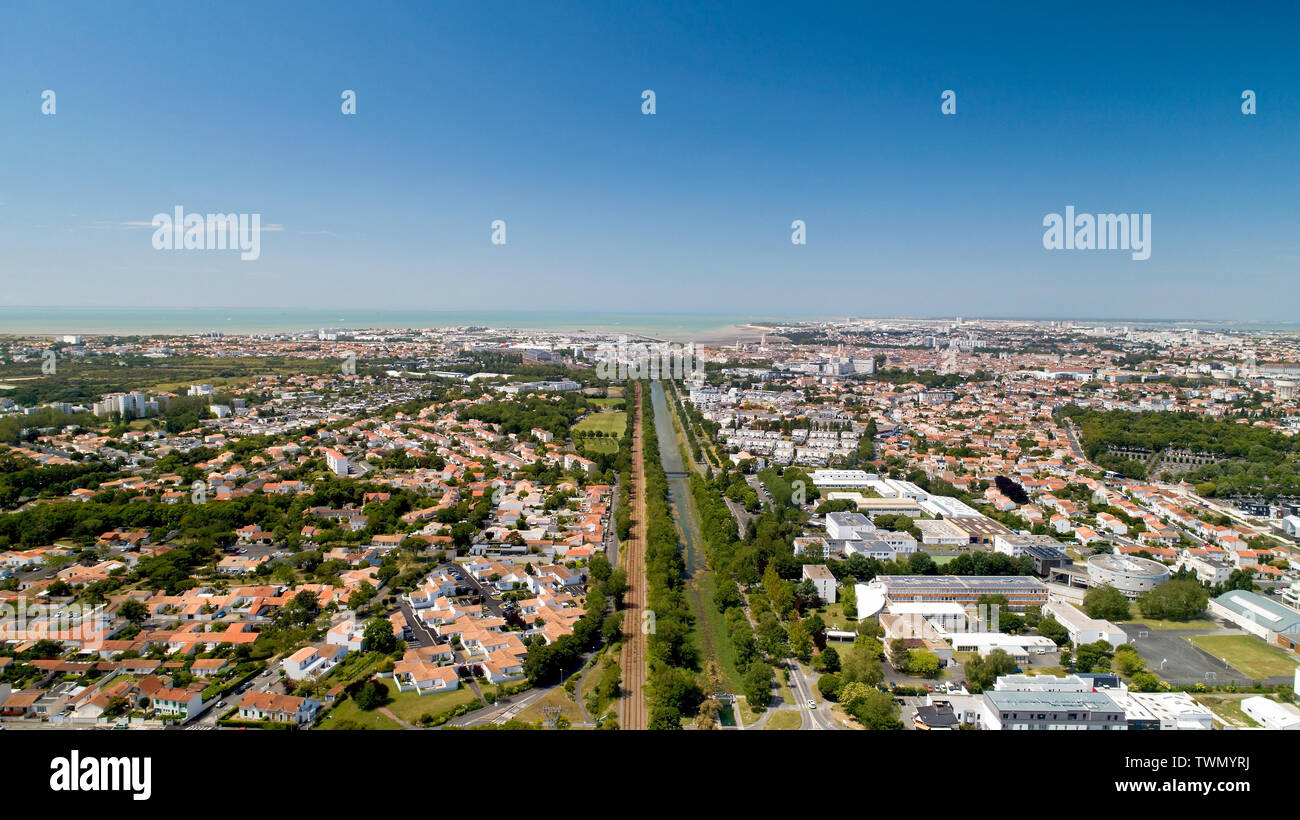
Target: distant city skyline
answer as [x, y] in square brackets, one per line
[829, 114]
[715, 327]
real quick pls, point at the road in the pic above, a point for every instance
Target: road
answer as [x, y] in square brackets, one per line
[1070, 434]
[802, 685]
[264, 682]
[633, 654]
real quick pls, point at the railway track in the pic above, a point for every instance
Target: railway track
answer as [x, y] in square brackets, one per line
[634, 645]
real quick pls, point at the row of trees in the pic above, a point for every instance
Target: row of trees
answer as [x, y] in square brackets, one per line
[673, 659]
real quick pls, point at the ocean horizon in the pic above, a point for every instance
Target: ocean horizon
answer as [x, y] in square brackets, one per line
[124, 321]
[246, 321]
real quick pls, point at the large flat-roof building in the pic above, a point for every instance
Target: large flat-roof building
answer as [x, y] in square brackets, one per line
[1019, 647]
[979, 529]
[843, 479]
[1083, 629]
[1015, 544]
[1021, 591]
[941, 533]
[1078, 711]
[1042, 683]
[1163, 710]
[847, 525]
[1260, 616]
[884, 545]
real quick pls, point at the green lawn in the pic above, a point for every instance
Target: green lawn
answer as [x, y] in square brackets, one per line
[409, 706]
[1229, 709]
[787, 696]
[609, 404]
[615, 422]
[1195, 623]
[600, 445]
[834, 617]
[536, 710]
[348, 712]
[784, 720]
[1248, 654]
[707, 618]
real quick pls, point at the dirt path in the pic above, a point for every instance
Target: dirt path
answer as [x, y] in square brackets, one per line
[383, 710]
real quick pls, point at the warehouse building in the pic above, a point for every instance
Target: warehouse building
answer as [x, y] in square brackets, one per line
[1261, 617]
[1270, 714]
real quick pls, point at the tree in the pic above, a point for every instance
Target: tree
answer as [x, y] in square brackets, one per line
[1054, 630]
[830, 660]
[1094, 657]
[727, 595]
[379, 635]
[1242, 579]
[983, 671]
[924, 663]
[899, 655]
[920, 563]
[133, 611]
[1174, 600]
[610, 683]
[873, 708]
[1128, 661]
[830, 686]
[800, 642]
[1106, 603]
[861, 664]
[665, 718]
[361, 595]
[778, 590]
[117, 705]
[757, 683]
[371, 695]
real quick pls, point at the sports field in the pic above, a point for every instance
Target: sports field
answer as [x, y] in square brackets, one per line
[615, 422]
[1248, 653]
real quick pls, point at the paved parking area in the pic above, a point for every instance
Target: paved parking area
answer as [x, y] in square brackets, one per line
[1169, 654]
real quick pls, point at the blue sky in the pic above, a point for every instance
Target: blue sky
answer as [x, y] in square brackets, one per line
[766, 113]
